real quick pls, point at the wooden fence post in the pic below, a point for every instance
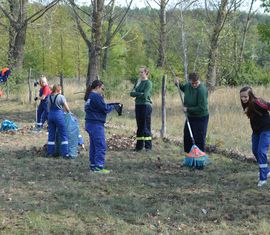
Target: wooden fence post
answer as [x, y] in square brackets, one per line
[30, 85]
[163, 107]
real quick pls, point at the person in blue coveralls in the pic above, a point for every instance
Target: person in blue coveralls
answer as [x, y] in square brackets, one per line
[57, 105]
[257, 110]
[42, 113]
[96, 111]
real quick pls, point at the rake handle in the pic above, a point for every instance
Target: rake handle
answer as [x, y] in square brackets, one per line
[188, 124]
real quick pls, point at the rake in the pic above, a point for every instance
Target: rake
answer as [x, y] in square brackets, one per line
[196, 158]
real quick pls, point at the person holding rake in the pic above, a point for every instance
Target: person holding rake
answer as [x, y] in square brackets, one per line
[196, 109]
[257, 110]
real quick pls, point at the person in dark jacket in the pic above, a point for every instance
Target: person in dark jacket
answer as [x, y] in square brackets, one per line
[142, 92]
[196, 108]
[257, 110]
[57, 105]
[96, 111]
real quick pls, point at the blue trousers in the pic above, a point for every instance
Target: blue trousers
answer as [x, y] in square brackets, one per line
[143, 118]
[97, 150]
[199, 130]
[56, 121]
[260, 146]
[42, 114]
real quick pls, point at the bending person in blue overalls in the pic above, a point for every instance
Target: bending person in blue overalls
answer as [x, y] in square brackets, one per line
[96, 111]
[42, 113]
[56, 121]
[257, 110]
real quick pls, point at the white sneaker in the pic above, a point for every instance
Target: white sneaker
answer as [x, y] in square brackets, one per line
[261, 183]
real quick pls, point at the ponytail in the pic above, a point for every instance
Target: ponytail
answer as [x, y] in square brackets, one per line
[94, 85]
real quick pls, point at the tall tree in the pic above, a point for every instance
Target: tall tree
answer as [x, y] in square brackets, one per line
[16, 11]
[108, 35]
[264, 29]
[162, 33]
[94, 42]
[161, 28]
[211, 75]
[113, 16]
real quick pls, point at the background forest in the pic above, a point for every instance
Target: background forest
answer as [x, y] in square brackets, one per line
[224, 43]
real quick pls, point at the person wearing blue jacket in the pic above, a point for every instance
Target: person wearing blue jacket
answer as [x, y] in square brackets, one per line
[96, 111]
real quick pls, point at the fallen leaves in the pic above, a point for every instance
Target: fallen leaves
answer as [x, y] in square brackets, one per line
[120, 142]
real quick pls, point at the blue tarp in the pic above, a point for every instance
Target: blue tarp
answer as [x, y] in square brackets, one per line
[8, 126]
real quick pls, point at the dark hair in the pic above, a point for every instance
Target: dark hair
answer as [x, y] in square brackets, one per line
[193, 77]
[93, 85]
[251, 99]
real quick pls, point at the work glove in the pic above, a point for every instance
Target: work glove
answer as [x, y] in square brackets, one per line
[118, 107]
[36, 98]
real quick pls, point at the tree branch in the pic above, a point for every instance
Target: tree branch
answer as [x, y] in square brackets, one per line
[11, 20]
[41, 12]
[119, 24]
[83, 34]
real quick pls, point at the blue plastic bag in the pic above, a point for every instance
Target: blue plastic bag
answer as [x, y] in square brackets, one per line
[74, 136]
[8, 126]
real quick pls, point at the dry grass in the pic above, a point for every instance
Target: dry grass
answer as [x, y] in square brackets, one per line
[228, 126]
[147, 193]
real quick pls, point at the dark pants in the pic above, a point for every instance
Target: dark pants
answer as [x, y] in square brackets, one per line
[42, 114]
[199, 129]
[143, 118]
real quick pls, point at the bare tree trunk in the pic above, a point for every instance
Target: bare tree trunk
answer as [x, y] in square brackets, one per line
[18, 20]
[94, 44]
[213, 52]
[163, 107]
[16, 50]
[93, 64]
[78, 61]
[108, 36]
[94, 51]
[61, 65]
[17, 33]
[184, 45]
[245, 32]
[43, 52]
[30, 85]
[162, 33]
[235, 44]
